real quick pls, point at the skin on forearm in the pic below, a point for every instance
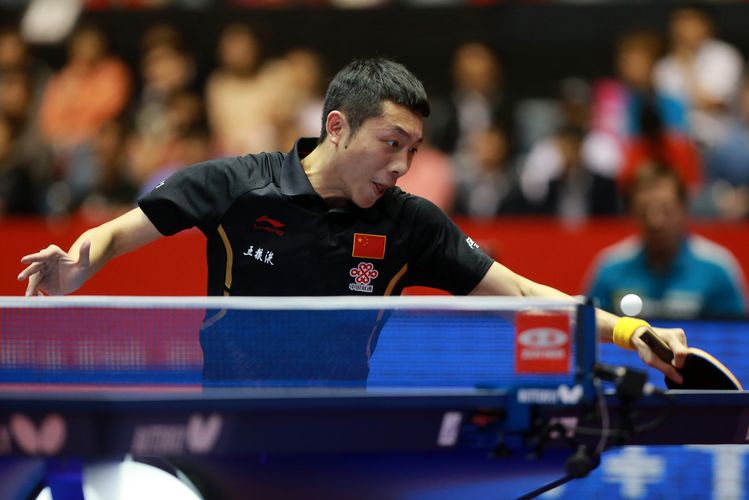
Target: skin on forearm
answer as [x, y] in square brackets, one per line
[501, 281]
[605, 321]
[101, 252]
[116, 237]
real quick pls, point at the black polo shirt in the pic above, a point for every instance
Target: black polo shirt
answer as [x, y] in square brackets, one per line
[269, 233]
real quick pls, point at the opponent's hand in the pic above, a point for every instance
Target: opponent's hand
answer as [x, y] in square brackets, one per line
[53, 272]
[676, 341]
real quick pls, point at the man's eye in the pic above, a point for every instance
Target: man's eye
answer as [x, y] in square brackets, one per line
[413, 151]
[393, 144]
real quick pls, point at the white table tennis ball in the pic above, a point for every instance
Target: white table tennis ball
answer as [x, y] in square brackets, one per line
[631, 304]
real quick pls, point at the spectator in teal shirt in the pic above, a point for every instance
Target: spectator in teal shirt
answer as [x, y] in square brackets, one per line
[678, 275]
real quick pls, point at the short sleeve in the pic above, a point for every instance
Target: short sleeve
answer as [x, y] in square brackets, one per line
[441, 255]
[728, 299]
[196, 196]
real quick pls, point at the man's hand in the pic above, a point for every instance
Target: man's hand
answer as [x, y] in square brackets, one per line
[54, 272]
[675, 339]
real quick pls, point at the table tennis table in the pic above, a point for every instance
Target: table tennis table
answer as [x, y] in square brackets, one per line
[225, 422]
[280, 443]
[498, 437]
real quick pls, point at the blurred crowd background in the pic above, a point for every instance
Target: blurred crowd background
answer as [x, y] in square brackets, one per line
[536, 108]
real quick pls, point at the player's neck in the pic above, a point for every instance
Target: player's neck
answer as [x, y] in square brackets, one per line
[321, 171]
[661, 258]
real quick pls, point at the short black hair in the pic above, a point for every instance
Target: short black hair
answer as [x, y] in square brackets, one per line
[359, 90]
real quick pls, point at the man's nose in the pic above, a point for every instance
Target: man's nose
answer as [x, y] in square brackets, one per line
[400, 165]
[656, 218]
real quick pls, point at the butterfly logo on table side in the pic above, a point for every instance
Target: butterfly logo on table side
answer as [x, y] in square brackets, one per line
[46, 438]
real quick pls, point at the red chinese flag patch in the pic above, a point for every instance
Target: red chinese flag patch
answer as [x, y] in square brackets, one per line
[542, 342]
[369, 246]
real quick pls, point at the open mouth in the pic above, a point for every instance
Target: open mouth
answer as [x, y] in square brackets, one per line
[380, 188]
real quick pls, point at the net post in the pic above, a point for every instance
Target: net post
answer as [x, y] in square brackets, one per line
[586, 347]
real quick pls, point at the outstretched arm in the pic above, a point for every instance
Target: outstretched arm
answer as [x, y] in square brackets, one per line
[499, 280]
[53, 271]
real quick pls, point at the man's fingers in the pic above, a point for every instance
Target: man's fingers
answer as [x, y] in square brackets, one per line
[650, 358]
[676, 341]
[32, 269]
[678, 344]
[670, 372]
[32, 288]
[41, 255]
[34, 257]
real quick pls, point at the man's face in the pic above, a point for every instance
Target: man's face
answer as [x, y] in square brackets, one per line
[690, 29]
[372, 159]
[636, 67]
[660, 215]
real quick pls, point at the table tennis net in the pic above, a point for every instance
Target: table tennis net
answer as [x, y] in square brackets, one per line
[280, 342]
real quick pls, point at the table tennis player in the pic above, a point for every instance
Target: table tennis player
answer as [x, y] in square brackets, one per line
[324, 219]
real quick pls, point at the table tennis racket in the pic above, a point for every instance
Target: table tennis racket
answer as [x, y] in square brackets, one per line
[700, 370]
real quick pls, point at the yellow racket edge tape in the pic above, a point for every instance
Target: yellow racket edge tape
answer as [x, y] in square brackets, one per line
[625, 328]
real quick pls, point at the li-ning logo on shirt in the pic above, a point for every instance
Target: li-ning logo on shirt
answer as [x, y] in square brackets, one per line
[363, 274]
[265, 223]
[471, 243]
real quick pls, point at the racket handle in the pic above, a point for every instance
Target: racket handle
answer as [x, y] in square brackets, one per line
[659, 347]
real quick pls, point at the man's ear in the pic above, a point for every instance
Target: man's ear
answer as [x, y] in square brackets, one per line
[336, 125]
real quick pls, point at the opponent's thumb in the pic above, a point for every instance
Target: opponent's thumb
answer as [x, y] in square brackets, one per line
[83, 254]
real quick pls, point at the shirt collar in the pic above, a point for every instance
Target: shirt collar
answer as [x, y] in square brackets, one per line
[679, 260]
[294, 182]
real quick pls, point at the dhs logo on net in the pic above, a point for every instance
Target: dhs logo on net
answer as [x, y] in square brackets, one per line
[542, 342]
[543, 338]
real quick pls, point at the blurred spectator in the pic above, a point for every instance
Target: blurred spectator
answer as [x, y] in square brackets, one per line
[167, 69]
[656, 144]
[300, 104]
[167, 107]
[15, 56]
[677, 274]
[617, 104]
[190, 147]
[431, 176]
[358, 4]
[475, 102]
[29, 149]
[555, 180]
[489, 184]
[146, 4]
[184, 112]
[726, 193]
[702, 71]
[239, 99]
[18, 193]
[90, 90]
[536, 118]
[114, 191]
